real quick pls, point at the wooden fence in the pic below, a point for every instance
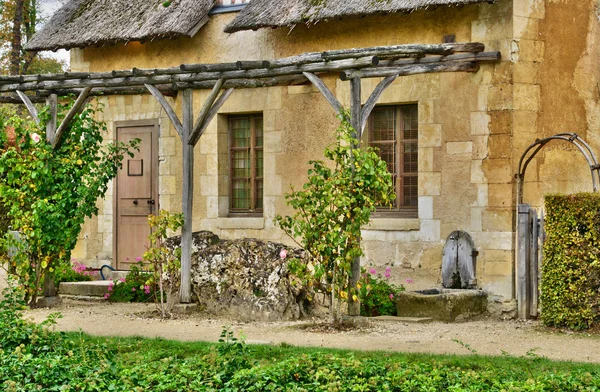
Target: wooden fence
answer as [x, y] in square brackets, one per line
[530, 239]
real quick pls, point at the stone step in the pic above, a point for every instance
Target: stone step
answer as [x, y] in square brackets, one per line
[114, 275]
[95, 288]
[416, 320]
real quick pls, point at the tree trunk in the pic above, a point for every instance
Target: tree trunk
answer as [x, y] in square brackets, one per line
[16, 44]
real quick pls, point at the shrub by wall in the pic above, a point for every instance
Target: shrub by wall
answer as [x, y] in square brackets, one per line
[570, 289]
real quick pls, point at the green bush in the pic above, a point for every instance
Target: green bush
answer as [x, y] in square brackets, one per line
[570, 291]
[73, 271]
[377, 294]
[135, 287]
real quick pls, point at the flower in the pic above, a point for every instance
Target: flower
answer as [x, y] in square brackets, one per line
[122, 280]
[110, 286]
[283, 254]
[106, 296]
[372, 271]
[409, 280]
[391, 296]
[35, 137]
[133, 289]
[138, 259]
[388, 273]
[147, 289]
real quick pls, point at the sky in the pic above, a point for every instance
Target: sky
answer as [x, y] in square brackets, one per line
[48, 7]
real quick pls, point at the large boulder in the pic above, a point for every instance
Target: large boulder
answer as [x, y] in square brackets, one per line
[246, 278]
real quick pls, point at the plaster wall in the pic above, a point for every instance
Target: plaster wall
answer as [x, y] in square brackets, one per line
[465, 135]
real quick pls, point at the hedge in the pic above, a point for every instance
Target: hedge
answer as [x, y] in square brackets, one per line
[570, 288]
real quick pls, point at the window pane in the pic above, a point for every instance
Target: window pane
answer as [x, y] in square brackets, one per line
[241, 194]
[259, 163]
[259, 194]
[240, 131]
[411, 157]
[384, 124]
[240, 162]
[410, 191]
[258, 131]
[410, 121]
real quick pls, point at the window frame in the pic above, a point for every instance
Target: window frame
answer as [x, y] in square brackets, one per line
[252, 148]
[398, 210]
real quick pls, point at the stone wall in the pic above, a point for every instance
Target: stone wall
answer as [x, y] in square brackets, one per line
[472, 127]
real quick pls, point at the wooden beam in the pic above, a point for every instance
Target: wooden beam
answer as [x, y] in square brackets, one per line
[412, 69]
[212, 113]
[30, 107]
[52, 103]
[168, 109]
[523, 264]
[77, 106]
[335, 104]
[356, 114]
[372, 101]
[204, 112]
[187, 197]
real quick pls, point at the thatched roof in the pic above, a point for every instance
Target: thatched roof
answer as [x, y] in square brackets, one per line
[276, 13]
[81, 23]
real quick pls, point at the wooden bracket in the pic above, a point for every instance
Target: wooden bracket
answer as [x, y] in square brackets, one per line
[337, 106]
[212, 113]
[52, 102]
[373, 98]
[356, 106]
[168, 109]
[30, 107]
[77, 106]
[195, 136]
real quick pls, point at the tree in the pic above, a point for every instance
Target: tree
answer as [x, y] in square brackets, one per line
[50, 192]
[331, 208]
[19, 20]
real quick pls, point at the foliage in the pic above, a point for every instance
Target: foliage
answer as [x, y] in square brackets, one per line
[49, 192]
[135, 287]
[24, 15]
[73, 271]
[165, 263]
[331, 208]
[570, 290]
[377, 294]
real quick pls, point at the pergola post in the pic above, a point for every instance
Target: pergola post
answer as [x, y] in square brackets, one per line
[187, 196]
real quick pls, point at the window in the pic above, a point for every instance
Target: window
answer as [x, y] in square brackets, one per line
[246, 163]
[393, 130]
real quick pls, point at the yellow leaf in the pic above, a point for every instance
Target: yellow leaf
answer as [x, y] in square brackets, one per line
[354, 298]
[79, 162]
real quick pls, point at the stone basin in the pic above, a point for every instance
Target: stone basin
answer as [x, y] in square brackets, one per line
[441, 304]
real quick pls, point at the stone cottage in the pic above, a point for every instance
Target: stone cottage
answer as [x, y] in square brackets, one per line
[452, 140]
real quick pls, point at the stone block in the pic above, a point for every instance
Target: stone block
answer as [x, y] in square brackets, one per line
[500, 97]
[295, 90]
[430, 184]
[243, 223]
[482, 97]
[530, 8]
[477, 173]
[498, 256]
[497, 269]
[373, 235]
[392, 224]
[430, 135]
[425, 207]
[529, 50]
[430, 230]
[272, 142]
[497, 171]
[524, 27]
[498, 219]
[274, 100]
[500, 195]
[500, 146]
[482, 195]
[525, 123]
[459, 148]
[503, 73]
[166, 185]
[426, 158]
[526, 97]
[494, 240]
[480, 123]
[476, 219]
[378, 252]
[166, 146]
[491, 29]
[427, 111]
[480, 147]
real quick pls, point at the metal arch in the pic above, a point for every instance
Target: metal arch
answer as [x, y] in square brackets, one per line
[573, 138]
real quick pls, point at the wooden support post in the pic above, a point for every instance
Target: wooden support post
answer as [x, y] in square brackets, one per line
[211, 114]
[77, 106]
[534, 264]
[195, 135]
[335, 104]
[522, 264]
[168, 109]
[372, 101]
[356, 115]
[52, 102]
[188, 196]
[30, 107]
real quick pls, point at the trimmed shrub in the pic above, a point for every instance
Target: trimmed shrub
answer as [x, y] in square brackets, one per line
[570, 292]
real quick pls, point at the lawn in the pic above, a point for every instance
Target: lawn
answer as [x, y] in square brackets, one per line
[79, 362]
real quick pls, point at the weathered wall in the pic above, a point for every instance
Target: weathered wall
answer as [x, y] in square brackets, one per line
[465, 129]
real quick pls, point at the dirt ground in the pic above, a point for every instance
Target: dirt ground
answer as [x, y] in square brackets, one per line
[487, 336]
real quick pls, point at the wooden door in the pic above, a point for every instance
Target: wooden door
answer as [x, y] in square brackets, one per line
[136, 194]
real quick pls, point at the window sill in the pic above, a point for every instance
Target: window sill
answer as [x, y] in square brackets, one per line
[241, 222]
[393, 224]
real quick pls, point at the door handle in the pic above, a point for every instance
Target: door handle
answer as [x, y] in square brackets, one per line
[151, 202]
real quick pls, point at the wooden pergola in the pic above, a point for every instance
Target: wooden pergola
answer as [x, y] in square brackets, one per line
[388, 62]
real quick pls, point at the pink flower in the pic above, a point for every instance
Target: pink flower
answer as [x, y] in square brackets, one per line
[133, 289]
[147, 289]
[409, 280]
[110, 286]
[138, 259]
[372, 271]
[35, 137]
[106, 296]
[388, 273]
[391, 296]
[122, 280]
[283, 254]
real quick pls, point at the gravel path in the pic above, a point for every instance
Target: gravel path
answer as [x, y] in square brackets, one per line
[488, 336]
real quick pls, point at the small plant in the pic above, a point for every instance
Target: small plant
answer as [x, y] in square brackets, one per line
[135, 287]
[72, 272]
[165, 263]
[377, 293]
